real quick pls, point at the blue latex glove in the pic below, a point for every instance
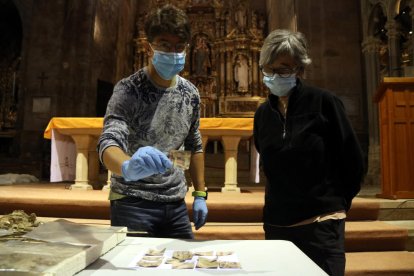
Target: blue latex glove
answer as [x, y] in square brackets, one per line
[145, 162]
[200, 212]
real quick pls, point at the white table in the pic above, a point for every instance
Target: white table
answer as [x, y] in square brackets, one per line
[257, 257]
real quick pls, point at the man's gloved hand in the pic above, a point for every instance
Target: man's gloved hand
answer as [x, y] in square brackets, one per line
[200, 212]
[145, 162]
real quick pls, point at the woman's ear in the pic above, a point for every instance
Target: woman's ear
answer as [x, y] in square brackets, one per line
[301, 72]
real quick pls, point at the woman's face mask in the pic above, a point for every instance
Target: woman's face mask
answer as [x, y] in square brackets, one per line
[168, 64]
[279, 86]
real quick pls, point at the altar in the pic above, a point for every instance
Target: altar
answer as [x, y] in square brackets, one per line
[74, 154]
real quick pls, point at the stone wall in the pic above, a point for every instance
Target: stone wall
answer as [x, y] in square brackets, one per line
[333, 30]
[68, 46]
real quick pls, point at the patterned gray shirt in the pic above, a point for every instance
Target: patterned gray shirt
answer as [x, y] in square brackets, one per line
[140, 114]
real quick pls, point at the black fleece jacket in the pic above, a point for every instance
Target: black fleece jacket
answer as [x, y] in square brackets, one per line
[317, 166]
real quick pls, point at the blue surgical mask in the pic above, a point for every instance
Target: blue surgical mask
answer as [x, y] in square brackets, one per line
[168, 64]
[279, 86]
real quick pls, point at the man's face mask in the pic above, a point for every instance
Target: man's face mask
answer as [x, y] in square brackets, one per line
[168, 64]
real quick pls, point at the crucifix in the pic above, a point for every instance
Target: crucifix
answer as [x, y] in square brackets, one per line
[42, 79]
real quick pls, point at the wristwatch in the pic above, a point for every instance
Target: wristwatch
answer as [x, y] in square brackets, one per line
[203, 194]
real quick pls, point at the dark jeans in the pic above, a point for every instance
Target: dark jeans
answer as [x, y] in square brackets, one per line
[323, 242]
[158, 219]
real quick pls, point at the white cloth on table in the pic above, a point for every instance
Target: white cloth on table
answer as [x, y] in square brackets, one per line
[63, 158]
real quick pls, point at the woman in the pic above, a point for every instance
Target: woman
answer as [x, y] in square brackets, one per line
[309, 153]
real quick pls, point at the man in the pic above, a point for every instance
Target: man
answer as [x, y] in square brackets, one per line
[310, 155]
[150, 113]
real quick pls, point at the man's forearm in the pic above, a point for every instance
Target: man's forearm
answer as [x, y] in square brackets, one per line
[197, 171]
[113, 157]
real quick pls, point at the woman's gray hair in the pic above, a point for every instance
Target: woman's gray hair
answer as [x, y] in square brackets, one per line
[281, 42]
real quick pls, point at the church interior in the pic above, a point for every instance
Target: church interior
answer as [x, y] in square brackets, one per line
[62, 59]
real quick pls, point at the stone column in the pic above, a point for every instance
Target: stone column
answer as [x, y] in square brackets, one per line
[370, 49]
[82, 148]
[393, 48]
[254, 164]
[93, 165]
[230, 145]
[107, 186]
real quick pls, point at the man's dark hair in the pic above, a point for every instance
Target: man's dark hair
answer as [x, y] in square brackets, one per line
[168, 20]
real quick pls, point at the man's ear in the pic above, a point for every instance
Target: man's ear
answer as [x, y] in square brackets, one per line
[148, 49]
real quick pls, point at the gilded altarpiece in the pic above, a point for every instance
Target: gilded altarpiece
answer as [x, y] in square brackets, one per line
[223, 56]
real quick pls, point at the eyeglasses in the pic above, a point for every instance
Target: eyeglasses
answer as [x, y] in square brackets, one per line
[167, 47]
[281, 72]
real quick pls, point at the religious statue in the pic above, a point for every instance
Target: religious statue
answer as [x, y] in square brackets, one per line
[241, 18]
[241, 73]
[201, 58]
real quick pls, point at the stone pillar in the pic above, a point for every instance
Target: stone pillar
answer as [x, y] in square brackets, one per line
[230, 145]
[254, 164]
[82, 148]
[107, 186]
[393, 48]
[370, 49]
[93, 165]
[281, 15]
